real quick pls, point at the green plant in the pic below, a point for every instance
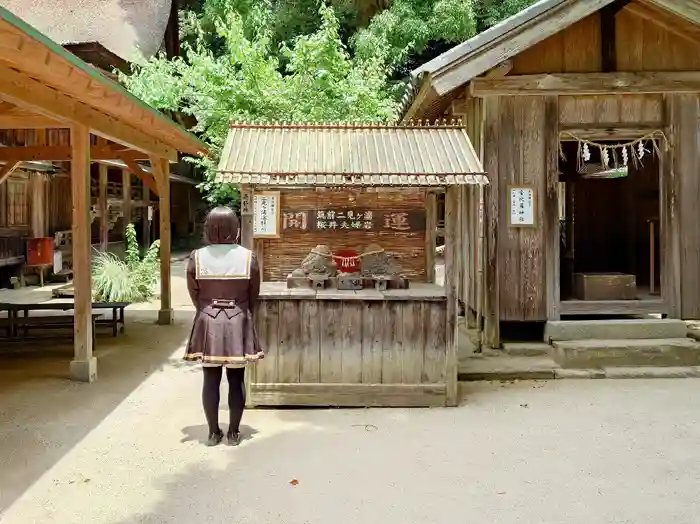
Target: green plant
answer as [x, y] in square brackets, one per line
[133, 279]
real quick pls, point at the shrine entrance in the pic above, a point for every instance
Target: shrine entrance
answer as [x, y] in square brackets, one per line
[609, 211]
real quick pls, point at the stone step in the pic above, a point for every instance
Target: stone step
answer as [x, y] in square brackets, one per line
[586, 354]
[561, 330]
[526, 349]
[491, 366]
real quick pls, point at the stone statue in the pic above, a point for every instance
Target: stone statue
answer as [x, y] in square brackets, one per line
[378, 263]
[318, 263]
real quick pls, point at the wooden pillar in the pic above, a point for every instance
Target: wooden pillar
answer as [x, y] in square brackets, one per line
[551, 208]
[145, 224]
[430, 231]
[39, 217]
[126, 201]
[102, 206]
[84, 365]
[246, 240]
[491, 210]
[247, 216]
[452, 249]
[161, 172]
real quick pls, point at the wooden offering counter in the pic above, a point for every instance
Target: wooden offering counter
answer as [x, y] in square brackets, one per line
[343, 221]
[353, 348]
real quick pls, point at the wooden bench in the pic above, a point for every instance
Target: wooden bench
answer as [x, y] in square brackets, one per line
[17, 328]
[116, 321]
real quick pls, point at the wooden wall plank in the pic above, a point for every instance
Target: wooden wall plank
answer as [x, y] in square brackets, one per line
[310, 342]
[267, 319]
[374, 324]
[393, 345]
[521, 160]
[531, 241]
[331, 317]
[414, 342]
[289, 337]
[434, 355]
[352, 342]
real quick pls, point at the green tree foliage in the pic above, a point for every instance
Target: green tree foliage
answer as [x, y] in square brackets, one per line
[301, 60]
[409, 26]
[243, 80]
[489, 12]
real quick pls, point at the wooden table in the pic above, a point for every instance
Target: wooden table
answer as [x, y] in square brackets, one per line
[352, 348]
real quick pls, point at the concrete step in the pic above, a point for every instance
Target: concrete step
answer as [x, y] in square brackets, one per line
[526, 349]
[586, 354]
[560, 330]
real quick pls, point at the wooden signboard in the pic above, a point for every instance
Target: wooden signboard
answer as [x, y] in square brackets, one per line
[246, 201]
[354, 219]
[521, 206]
[266, 214]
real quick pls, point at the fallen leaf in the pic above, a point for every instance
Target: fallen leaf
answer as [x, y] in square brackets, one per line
[294, 482]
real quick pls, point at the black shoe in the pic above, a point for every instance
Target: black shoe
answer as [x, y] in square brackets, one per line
[215, 438]
[233, 438]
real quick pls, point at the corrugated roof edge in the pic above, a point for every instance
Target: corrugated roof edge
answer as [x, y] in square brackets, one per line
[93, 72]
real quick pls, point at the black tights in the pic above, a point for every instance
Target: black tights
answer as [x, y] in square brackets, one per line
[236, 397]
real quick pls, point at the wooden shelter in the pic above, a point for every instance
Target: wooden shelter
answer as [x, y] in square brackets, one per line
[589, 110]
[43, 87]
[347, 187]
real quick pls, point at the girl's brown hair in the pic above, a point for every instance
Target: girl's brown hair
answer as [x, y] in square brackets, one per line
[221, 226]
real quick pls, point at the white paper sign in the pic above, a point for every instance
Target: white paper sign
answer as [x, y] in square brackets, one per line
[266, 214]
[522, 206]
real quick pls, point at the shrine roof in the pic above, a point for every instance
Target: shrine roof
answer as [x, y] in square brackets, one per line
[349, 154]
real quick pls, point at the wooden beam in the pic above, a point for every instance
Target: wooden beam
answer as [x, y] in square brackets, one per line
[64, 154]
[464, 63]
[148, 180]
[686, 9]
[663, 21]
[500, 70]
[30, 94]
[161, 172]
[84, 366]
[588, 84]
[7, 169]
[15, 120]
[608, 131]
[102, 204]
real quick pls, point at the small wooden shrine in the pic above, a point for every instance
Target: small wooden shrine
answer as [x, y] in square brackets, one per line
[343, 220]
[586, 118]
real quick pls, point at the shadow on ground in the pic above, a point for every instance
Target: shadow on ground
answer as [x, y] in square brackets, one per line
[43, 414]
